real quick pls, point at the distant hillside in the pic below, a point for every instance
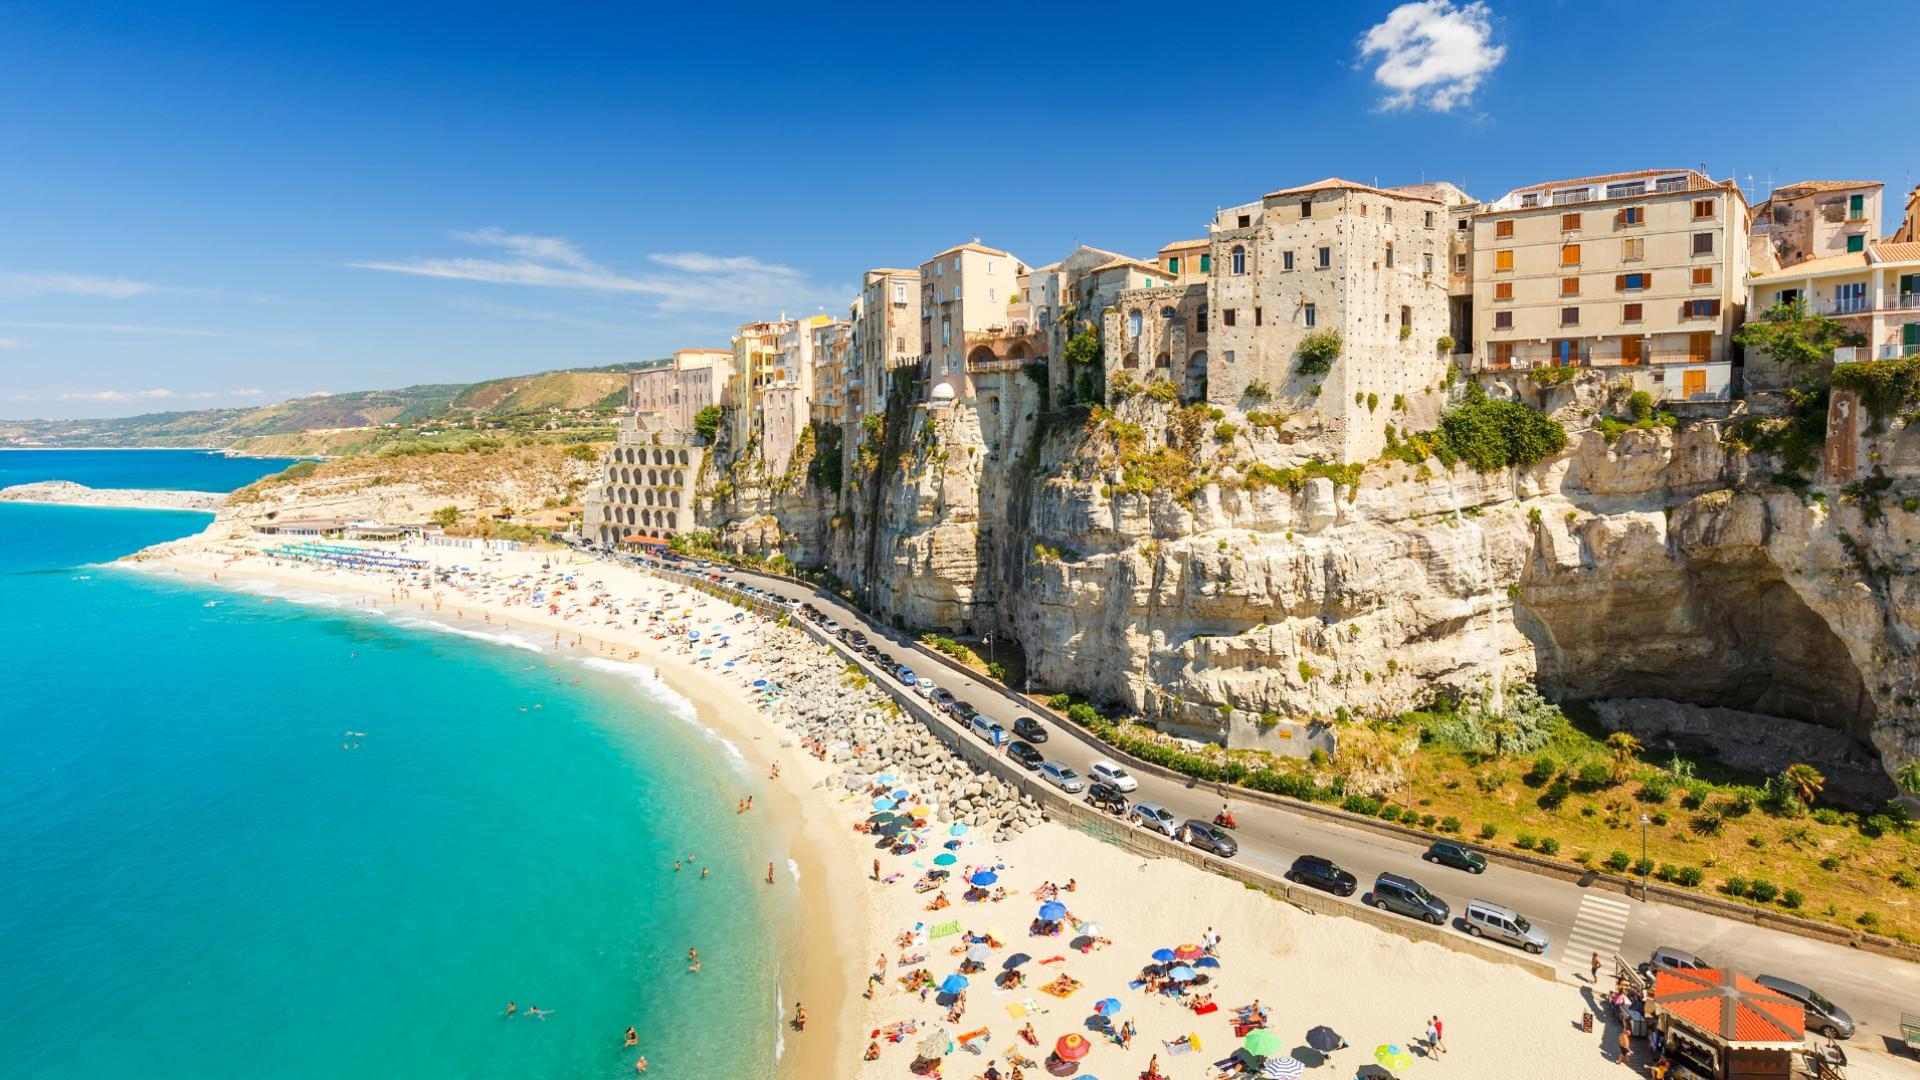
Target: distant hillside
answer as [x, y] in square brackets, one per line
[343, 423]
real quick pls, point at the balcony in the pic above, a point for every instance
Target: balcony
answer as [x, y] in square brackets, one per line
[1864, 305]
[1874, 352]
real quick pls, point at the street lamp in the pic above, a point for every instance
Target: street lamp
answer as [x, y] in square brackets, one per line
[1644, 865]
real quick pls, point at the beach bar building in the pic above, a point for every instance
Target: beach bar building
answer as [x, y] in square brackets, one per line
[1721, 1025]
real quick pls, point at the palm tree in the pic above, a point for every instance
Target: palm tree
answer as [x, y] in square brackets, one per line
[1909, 777]
[1806, 781]
[1625, 748]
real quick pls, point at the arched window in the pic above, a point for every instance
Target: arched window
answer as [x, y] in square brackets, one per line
[673, 520]
[1131, 360]
[652, 477]
[676, 498]
[1239, 260]
[1163, 361]
[683, 458]
[1133, 324]
[679, 477]
[1166, 312]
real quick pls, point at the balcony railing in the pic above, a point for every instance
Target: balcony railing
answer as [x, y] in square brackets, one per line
[1862, 305]
[1852, 355]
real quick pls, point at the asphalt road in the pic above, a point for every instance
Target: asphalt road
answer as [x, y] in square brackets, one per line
[1580, 921]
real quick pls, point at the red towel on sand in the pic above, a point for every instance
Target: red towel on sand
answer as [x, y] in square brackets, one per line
[1202, 1010]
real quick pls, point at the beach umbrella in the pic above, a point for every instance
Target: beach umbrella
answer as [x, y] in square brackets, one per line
[1107, 1006]
[922, 810]
[1053, 911]
[706, 652]
[1324, 1039]
[883, 804]
[985, 878]
[1183, 973]
[979, 952]
[1391, 1056]
[1072, 1047]
[1281, 1068]
[953, 984]
[1091, 929]
[959, 829]
[692, 635]
[1261, 1043]
[883, 778]
[1189, 952]
[1013, 961]
[938, 1044]
[1206, 962]
[902, 794]
[945, 858]
[1163, 956]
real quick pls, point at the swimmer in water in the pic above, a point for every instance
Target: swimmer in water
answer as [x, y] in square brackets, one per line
[633, 1037]
[512, 1008]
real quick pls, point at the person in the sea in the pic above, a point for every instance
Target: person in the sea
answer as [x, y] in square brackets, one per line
[703, 871]
[640, 1066]
[512, 1008]
[769, 873]
[633, 1037]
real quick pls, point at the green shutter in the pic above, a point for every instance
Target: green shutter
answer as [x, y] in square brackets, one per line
[1910, 334]
[1173, 265]
[1206, 263]
[1909, 284]
[1856, 207]
[1856, 243]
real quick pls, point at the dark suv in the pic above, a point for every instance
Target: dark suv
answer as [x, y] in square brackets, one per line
[1391, 892]
[1458, 856]
[1026, 727]
[1322, 874]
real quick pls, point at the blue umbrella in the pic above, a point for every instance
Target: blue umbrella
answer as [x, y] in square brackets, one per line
[883, 778]
[1107, 1006]
[1053, 911]
[953, 984]
[1183, 973]
[959, 829]
[1206, 961]
[985, 878]
[758, 683]
[901, 793]
[883, 804]
[1164, 956]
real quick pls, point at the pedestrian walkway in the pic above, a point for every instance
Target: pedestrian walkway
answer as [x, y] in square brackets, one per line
[1598, 927]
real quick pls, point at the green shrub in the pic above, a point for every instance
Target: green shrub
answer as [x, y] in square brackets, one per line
[1903, 878]
[1494, 435]
[1762, 890]
[1360, 804]
[1666, 871]
[1488, 832]
[1595, 775]
[1449, 824]
[1060, 702]
[1656, 788]
[1390, 812]
[1697, 794]
[997, 669]
[1690, 876]
[1257, 390]
[1869, 919]
[1618, 861]
[1524, 841]
[1642, 867]
[1556, 794]
[706, 423]
[1225, 430]
[1736, 886]
[1544, 769]
[1318, 351]
[1549, 846]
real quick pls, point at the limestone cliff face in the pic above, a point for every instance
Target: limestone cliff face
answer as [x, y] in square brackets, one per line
[1662, 565]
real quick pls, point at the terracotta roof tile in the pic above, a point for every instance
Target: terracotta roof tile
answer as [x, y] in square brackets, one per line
[1730, 1007]
[1891, 251]
[1808, 187]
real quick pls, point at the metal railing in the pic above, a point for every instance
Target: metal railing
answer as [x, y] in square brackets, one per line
[1845, 305]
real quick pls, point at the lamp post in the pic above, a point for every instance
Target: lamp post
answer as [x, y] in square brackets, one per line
[1644, 865]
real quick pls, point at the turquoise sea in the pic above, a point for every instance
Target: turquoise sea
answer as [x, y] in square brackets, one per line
[203, 875]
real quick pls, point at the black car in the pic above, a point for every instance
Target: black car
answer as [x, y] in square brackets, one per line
[1026, 756]
[1209, 837]
[871, 652]
[1026, 727]
[857, 639]
[1458, 856]
[1322, 874]
[1108, 798]
[962, 711]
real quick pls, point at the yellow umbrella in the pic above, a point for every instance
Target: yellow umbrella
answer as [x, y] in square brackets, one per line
[921, 811]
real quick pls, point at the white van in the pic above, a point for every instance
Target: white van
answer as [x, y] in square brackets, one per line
[1503, 924]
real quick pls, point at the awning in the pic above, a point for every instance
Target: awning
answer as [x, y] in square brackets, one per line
[650, 541]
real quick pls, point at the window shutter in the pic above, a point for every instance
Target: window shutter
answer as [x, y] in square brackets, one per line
[1619, 283]
[1619, 218]
[1713, 307]
[1646, 280]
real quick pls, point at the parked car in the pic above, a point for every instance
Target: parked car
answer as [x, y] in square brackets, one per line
[1322, 873]
[923, 687]
[1489, 920]
[1668, 958]
[857, 639]
[1108, 773]
[1823, 1016]
[962, 712]
[1405, 896]
[1107, 798]
[1025, 756]
[905, 674]
[871, 652]
[1207, 836]
[1029, 729]
[941, 698]
[1154, 816]
[1062, 777]
[1458, 856]
[982, 725]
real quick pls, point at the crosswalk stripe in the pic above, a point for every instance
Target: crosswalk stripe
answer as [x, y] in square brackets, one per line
[1599, 926]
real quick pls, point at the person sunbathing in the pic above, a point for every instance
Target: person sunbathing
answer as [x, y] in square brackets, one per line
[939, 901]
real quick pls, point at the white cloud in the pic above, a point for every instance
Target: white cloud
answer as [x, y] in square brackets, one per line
[247, 392]
[1433, 54]
[12, 343]
[696, 281]
[16, 286]
[156, 394]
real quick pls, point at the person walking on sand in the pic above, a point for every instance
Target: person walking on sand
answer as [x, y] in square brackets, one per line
[1439, 1036]
[1626, 1049]
[876, 869]
[1594, 978]
[769, 873]
[1432, 1040]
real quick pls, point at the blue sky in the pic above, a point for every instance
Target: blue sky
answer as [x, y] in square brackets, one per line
[206, 204]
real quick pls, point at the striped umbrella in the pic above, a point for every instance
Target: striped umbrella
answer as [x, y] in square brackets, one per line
[1072, 1047]
[1281, 1068]
[1189, 952]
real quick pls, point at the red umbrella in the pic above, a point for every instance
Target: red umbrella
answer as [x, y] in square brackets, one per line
[1072, 1047]
[1189, 952]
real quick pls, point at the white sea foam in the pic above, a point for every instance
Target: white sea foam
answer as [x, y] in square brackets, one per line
[679, 705]
[794, 869]
[498, 637]
[779, 1024]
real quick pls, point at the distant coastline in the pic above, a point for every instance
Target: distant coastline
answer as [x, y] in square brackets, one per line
[67, 493]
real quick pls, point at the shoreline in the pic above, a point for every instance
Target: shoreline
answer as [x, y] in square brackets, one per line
[817, 963]
[68, 493]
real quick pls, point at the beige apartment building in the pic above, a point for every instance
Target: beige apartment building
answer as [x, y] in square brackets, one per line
[1875, 291]
[1060, 304]
[1367, 263]
[1812, 220]
[832, 349]
[885, 337]
[770, 393]
[644, 491]
[1640, 270]
[673, 391]
[966, 290]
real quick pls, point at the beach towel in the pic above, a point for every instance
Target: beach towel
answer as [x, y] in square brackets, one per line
[983, 1034]
[945, 929]
[1202, 1010]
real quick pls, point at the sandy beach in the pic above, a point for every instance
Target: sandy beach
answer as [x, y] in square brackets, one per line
[880, 934]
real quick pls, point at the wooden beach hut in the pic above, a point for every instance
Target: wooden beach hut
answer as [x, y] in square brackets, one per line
[1720, 1025]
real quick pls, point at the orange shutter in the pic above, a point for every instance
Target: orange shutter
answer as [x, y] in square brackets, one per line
[1570, 255]
[1503, 260]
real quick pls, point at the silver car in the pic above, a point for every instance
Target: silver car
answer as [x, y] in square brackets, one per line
[1155, 817]
[1490, 920]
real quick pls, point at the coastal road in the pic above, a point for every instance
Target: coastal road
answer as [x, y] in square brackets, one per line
[1874, 989]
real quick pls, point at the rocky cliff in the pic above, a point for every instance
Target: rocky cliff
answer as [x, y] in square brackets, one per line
[1186, 563]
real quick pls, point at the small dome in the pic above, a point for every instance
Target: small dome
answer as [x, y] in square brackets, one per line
[943, 392]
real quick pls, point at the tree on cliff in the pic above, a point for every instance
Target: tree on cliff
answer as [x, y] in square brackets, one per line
[1805, 779]
[1792, 335]
[1909, 777]
[706, 423]
[1625, 748]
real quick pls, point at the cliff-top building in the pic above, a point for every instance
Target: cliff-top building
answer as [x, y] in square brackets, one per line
[1812, 220]
[1362, 262]
[1642, 270]
[969, 289]
[885, 337]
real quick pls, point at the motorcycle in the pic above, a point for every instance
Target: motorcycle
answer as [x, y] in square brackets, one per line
[1225, 821]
